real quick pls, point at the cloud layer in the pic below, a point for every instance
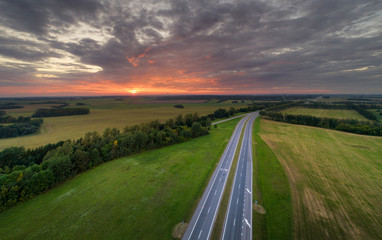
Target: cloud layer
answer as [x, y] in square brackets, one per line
[86, 47]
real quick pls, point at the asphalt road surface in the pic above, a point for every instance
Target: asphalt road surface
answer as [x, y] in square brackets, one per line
[201, 224]
[238, 221]
[228, 119]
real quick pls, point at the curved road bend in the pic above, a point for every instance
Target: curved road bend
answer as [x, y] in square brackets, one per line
[238, 221]
[200, 226]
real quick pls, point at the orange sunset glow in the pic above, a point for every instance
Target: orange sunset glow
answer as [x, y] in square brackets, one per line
[160, 50]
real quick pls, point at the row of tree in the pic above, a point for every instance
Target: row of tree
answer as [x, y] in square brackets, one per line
[360, 108]
[365, 113]
[56, 112]
[10, 119]
[347, 125]
[13, 156]
[25, 127]
[10, 106]
[25, 174]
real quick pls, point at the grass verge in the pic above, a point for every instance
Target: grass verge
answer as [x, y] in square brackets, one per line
[137, 197]
[271, 190]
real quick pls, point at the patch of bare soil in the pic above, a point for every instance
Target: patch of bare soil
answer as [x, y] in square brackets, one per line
[258, 208]
[179, 230]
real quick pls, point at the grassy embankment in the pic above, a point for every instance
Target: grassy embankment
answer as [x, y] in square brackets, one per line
[271, 191]
[105, 113]
[329, 113]
[335, 177]
[138, 197]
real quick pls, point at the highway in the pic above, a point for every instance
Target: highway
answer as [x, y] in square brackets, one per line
[201, 224]
[238, 220]
[229, 119]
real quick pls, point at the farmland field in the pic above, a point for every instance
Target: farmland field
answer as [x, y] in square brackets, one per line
[105, 113]
[329, 113]
[138, 197]
[335, 178]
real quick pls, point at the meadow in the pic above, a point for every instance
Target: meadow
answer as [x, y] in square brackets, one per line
[329, 113]
[106, 113]
[335, 179]
[137, 197]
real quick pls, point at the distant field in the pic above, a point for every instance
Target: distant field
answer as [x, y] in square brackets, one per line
[104, 113]
[336, 180]
[138, 197]
[329, 113]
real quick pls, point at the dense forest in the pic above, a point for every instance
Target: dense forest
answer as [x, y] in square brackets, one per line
[60, 112]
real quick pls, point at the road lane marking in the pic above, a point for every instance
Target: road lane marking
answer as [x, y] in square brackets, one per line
[209, 209]
[248, 191]
[243, 147]
[200, 233]
[246, 221]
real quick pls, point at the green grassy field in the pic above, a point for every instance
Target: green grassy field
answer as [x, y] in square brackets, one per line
[335, 178]
[104, 113]
[329, 113]
[271, 191]
[138, 197]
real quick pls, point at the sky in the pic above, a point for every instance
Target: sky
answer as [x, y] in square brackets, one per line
[119, 47]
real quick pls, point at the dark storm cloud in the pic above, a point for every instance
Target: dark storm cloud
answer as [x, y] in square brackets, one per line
[244, 45]
[24, 50]
[35, 16]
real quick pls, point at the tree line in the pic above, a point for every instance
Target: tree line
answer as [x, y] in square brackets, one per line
[360, 108]
[56, 112]
[347, 125]
[20, 126]
[25, 174]
[10, 106]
